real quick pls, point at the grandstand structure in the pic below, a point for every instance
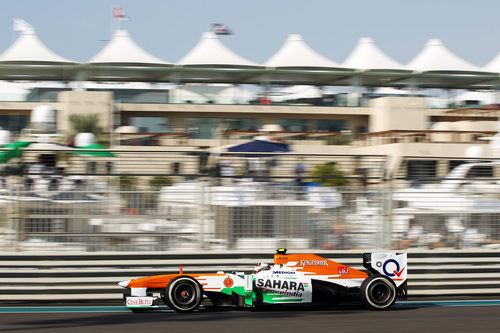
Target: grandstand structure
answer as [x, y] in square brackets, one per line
[367, 105]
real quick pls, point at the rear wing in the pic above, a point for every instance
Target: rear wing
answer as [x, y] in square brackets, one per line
[391, 264]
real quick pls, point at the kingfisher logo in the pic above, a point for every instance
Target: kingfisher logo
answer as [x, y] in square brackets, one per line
[391, 268]
[313, 263]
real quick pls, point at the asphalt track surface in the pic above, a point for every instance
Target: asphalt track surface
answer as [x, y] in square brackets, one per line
[409, 317]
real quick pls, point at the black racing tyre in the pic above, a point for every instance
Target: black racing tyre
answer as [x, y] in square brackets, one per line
[183, 294]
[378, 292]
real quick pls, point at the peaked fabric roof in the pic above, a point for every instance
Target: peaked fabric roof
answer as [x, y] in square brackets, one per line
[493, 65]
[296, 53]
[367, 56]
[436, 57]
[123, 50]
[28, 48]
[210, 51]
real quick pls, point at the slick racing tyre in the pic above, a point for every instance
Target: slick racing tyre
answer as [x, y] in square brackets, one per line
[183, 294]
[378, 292]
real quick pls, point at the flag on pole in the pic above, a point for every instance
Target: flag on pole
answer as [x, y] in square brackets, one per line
[119, 14]
[21, 25]
[221, 29]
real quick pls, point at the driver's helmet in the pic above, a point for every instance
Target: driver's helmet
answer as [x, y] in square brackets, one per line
[261, 267]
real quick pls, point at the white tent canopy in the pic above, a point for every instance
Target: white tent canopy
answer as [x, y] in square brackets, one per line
[392, 91]
[12, 92]
[367, 56]
[210, 51]
[123, 50]
[436, 57]
[493, 65]
[218, 93]
[296, 53]
[28, 48]
[297, 92]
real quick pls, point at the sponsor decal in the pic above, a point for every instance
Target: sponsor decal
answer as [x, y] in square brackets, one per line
[343, 270]
[281, 287]
[139, 301]
[313, 263]
[228, 282]
[396, 271]
[283, 272]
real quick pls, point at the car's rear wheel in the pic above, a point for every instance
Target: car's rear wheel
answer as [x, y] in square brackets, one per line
[183, 294]
[378, 292]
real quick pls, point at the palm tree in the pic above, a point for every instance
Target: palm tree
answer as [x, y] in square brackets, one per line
[85, 123]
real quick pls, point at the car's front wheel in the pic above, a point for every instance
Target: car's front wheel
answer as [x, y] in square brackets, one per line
[378, 292]
[183, 294]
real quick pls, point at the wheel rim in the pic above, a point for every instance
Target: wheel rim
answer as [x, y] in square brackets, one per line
[184, 294]
[380, 293]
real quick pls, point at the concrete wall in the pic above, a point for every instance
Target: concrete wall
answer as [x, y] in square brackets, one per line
[398, 113]
[85, 102]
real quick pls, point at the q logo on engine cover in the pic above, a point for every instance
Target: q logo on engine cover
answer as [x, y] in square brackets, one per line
[396, 271]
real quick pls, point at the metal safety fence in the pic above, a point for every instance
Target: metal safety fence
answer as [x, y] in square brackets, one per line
[170, 200]
[196, 215]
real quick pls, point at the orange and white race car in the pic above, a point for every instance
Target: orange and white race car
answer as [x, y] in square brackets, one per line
[291, 279]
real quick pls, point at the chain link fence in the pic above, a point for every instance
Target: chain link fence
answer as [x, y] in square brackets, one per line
[171, 200]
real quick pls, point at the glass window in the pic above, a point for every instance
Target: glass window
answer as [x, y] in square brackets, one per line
[14, 123]
[480, 171]
[206, 128]
[150, 124]
[296, 125]
[419, 170]
[331, 125]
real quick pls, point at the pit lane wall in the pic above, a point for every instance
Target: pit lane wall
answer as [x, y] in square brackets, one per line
[69, 277]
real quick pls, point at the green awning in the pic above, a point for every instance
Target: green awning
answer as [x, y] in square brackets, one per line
[94, 153]
[14, 150]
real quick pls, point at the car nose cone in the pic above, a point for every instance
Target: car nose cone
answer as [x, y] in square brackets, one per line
[124, 284]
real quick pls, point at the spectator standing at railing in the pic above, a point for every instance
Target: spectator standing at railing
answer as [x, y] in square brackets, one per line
[300, 173]
[412, 235]
[227, 169]
[35, 172]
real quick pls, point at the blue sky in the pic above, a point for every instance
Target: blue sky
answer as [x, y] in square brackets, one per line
[168, 29]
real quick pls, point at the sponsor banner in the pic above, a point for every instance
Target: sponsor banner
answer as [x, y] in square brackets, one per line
[139, 301]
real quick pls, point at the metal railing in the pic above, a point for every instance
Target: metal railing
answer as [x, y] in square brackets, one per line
[245, 215]
[163, 200]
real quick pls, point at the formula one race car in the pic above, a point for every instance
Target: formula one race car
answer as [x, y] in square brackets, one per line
[292, 279]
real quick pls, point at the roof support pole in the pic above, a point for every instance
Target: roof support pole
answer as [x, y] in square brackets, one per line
[496, 99]
[176, 98]
[79, 79]
[413, 86]
[354, 97]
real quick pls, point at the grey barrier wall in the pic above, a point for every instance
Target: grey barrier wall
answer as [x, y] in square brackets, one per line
[49, 277]
[153, 200]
